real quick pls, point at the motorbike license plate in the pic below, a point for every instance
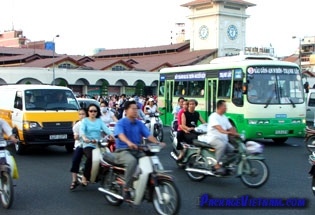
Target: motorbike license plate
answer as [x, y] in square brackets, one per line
[58, 137]
[281, 132]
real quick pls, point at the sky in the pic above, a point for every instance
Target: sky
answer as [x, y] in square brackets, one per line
[85, 25]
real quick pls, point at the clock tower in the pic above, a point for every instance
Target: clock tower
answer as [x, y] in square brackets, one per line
[218, 24]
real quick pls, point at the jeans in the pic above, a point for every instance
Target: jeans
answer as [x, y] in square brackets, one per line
[128, 158]
[76, 160]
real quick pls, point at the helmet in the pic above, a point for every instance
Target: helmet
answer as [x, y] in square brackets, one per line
[253, 147]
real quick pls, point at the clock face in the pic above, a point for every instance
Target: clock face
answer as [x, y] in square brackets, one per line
[203, 32]
[232, 32]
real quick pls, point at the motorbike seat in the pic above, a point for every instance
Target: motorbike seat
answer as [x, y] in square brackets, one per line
[110, 158]
[202, 144]
[310, 130]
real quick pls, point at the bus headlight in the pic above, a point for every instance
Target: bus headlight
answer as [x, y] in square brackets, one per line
[30, 125]
[252, 122]
[260, 122]
[296, 121]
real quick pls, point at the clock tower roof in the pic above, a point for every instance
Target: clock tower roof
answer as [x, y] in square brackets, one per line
[201, 2]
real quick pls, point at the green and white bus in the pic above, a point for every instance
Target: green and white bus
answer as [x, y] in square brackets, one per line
[270, 105]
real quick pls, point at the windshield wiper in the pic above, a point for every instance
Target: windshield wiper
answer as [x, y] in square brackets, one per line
[268, 102]
[293, 104]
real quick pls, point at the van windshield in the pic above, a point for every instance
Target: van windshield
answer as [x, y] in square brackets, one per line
[47, 99]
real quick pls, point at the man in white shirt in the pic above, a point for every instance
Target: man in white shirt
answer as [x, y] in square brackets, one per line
[219, 127]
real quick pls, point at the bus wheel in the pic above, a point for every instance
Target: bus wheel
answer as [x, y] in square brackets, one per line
[280, 140]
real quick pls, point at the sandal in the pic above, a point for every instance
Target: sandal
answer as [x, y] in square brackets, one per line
[84, 184]
[73, 185]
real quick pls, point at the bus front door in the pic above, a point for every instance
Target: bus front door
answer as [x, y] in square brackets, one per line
[211, 96]
[168, 116]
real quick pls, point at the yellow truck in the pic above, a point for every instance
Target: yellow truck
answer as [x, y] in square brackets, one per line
[39, 114]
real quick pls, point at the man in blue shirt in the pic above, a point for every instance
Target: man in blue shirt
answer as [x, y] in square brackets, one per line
[129, 132]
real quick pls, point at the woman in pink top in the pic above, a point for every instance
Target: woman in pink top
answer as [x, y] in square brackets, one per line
[180, 131]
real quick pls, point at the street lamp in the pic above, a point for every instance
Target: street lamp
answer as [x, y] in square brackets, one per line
[300, 63]
[54, 59]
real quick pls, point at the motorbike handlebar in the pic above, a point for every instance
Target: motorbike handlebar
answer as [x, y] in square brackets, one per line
[4, 143]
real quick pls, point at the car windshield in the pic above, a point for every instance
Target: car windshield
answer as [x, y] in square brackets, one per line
[47, 99]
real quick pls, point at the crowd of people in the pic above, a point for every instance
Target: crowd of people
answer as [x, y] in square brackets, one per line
[114, 103]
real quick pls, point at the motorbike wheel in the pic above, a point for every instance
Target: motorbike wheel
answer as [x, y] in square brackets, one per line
[198, 162]
[158, 133]
[310, 144]
[313, 185]
[171, 198]
[255, 173]
[113, 187]
[6, 187]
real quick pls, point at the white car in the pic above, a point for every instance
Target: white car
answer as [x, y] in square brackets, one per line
[84, 102]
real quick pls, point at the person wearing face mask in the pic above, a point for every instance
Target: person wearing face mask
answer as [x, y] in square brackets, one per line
[107, 115]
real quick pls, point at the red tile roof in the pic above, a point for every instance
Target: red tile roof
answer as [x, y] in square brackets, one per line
[142, 51]
[153, 62]
[5, 51]
[292, 58]
[48, 62]
[147, 58]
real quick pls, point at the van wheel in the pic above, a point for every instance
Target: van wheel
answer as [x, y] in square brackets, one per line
[69, 147]
[20, 148]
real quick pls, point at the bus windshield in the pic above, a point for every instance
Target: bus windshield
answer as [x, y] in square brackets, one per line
[274, 85]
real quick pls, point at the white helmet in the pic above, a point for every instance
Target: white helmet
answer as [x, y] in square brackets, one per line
[253, 147]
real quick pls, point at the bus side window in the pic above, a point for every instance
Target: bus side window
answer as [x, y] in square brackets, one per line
[237, 97]
[224, 88]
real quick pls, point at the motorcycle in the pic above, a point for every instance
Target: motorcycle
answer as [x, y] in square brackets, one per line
[245, 162]
[312, 171]
[201, 129]
[155, 126]
[309, 139]
[173, 131]
[8, 172]
[150, 183]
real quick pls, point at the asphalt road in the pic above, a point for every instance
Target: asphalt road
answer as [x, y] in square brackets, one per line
[43, 186]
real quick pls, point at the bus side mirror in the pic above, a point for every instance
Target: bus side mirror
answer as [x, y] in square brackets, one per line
[306, 87]
[244, 88]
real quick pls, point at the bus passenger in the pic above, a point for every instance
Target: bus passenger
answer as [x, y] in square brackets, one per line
[251, 93]
[237, 90]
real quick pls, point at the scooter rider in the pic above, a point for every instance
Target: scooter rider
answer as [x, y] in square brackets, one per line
[129, 132]
[178, 107]
[219, 127]
[190, 119]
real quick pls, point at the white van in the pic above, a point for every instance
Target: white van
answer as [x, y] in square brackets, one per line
[39, 114]
[310, 107]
